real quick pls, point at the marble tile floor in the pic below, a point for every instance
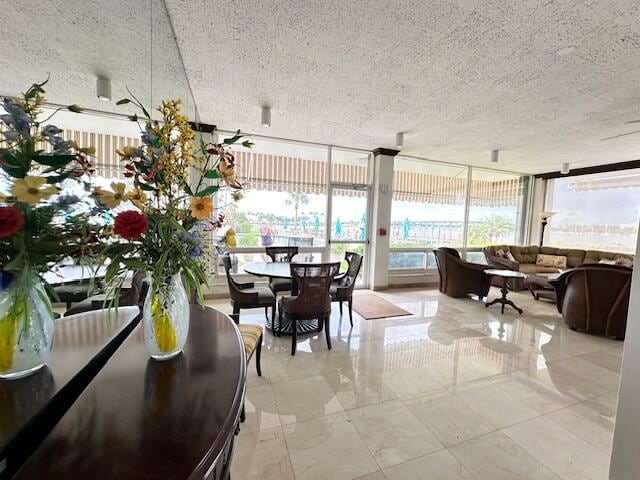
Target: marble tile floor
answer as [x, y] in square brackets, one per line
[457, 391]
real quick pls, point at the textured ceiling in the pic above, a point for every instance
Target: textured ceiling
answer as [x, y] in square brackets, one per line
[74, 41]
[541, 80]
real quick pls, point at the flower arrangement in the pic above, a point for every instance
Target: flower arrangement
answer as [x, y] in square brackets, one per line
[163, 234]
[40, 225]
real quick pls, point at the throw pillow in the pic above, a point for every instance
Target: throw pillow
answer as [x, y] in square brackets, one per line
[510, 257]
[556, 261]
[500, 253]
[624, 261]
[604, 261]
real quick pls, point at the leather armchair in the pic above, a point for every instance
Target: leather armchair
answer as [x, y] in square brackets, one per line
[595, 298]
[459, 278]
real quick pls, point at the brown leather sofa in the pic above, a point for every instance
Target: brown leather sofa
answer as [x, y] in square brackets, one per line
[459, 278]
[525, 257]
[595, 298]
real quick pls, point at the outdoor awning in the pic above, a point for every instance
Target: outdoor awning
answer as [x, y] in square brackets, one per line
[619, 180]
[293, 174]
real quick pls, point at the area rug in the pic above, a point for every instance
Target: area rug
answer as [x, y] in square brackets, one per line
[371, 306]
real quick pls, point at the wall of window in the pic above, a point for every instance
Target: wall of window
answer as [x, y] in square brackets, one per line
[437, 205]
[599, 211]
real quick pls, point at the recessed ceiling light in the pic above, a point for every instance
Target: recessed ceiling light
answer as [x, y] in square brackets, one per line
[565, 51]
[265, 116]
[399, 140]
[103, 89]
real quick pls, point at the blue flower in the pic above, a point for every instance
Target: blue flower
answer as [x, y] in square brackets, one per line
[11, 134]
[49, 130]
[148, 139]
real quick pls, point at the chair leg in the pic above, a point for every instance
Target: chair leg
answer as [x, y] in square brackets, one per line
[236, 314]
[351, 311]
[279, 323]
[294, 337]
[273, 315]
[340, 302]
[243, 416]
[258, 352]
[266, 313]
[327, 330]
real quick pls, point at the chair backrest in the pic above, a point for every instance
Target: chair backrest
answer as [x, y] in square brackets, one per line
[314, 280]
[355, 263]
[235, 293]
[301, 241]
[595, 298]
[136, 293]
[281, 254]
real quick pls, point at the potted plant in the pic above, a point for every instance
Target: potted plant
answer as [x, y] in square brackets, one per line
[40, 226]
[164, 234]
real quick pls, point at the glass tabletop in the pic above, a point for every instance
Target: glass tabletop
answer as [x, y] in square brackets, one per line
[269, 269]
[505, 273]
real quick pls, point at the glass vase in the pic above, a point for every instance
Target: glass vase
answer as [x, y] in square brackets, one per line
[26, 326]
[166, 318]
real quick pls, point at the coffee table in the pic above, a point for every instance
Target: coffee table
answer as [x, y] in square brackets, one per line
[540, 287]
[505, 275]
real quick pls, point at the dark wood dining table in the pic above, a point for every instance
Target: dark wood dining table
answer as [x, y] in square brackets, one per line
[140, 418]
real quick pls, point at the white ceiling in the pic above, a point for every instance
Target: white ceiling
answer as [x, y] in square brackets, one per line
[460, 78]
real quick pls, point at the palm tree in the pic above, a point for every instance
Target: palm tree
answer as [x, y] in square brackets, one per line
[493, 226]
[296, 199]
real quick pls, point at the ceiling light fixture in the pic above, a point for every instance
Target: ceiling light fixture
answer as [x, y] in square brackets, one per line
[566, 168]
[265, 116]
[103, 89]
[399, 140]
[494, 156]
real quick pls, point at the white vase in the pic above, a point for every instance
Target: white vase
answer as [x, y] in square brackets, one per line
[165, 318]
[26, 328]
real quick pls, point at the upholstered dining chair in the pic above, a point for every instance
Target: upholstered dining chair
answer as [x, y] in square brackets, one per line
[134, 295]
[281, 254]
[247, 295]
[252, 338]
[341, 289]
[313, 300]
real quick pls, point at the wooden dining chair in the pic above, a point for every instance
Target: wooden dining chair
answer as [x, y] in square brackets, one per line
[342, 287]
[247, 295]
[313, 300]
[280, 254]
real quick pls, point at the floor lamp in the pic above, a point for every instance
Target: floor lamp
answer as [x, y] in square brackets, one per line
[544, 217]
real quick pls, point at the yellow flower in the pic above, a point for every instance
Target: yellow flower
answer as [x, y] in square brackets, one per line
[114, 198]
[227, 173]
[137, 197]
[201, 207]
[237, 196]
[2, 198]
[230, 238]
[28, 189]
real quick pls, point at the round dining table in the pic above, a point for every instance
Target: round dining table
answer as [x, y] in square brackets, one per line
[281, 270]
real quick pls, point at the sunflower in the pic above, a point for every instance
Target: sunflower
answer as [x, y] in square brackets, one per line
[114, 198]
[201, 207]
[28, 189]
[137, 197]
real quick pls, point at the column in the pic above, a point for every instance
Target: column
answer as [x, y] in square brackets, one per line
[625, 461]
[381, 217]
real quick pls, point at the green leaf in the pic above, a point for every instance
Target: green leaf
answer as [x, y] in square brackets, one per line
[234, 139]
[53, 160]
[188, 191]
[248, 144]
[7, 157]
[123, 101]
[146, 187]
[211, 174]
[75, 108]
[207, 191]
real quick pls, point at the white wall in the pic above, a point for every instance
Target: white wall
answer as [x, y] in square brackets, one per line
[625, 458]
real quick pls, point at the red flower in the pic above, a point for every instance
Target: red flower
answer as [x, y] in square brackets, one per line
[130, 224]
[11, 220]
